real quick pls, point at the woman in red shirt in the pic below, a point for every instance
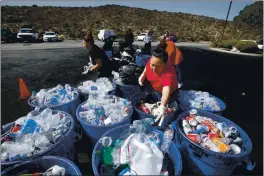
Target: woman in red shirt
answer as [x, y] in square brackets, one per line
[162, 77]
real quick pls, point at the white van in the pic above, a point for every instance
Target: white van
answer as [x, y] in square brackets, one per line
[105, 33]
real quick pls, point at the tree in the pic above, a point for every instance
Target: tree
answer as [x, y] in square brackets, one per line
[251, 15]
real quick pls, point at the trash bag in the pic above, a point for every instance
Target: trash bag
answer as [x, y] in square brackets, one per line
[130, 73]
[122, 45]
[115, 65]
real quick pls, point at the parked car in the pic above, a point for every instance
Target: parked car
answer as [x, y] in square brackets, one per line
[105, 33]
[50, 36]
[260, 44]
[7, 35]
[141, 36]
[27, 34]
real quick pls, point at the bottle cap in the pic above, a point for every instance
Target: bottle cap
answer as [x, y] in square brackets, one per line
[193, 111]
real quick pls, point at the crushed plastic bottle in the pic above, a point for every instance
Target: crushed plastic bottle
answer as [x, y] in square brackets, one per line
[200, 100]
[105, 110]
[167, 138]
[53, 96]
[37, 133]
[101, 87]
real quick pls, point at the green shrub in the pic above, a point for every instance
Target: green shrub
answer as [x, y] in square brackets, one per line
[213, 44]
[227, 44]
[247, 46]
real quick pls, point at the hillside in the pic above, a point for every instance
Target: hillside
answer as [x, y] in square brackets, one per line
[75, 21]
[251, 16]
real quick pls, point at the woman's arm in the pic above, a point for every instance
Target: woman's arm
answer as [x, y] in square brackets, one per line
[166, 91]
[144, 72]
[142, 77]
[97, 66]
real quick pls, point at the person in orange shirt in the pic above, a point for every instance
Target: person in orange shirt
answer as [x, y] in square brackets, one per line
[174, 55]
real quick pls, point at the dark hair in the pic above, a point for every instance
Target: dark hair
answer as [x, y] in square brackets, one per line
[160, 52]
[162, 45]
[88, 37]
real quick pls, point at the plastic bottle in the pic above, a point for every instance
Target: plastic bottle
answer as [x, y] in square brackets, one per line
[59, 87]
[167, 138]
[46, 112]
[30, 124]
[87, 114]
[115, 74]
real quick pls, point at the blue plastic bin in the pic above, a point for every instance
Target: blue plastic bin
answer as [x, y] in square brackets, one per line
[142, 95]
[142, 59]
[42, 165]
[64, 148]
[186, 105]
[126, 91]
[135, 99]
[115, 133]
[94, 132]
[206, 161]
[85, 96]
[69, 107]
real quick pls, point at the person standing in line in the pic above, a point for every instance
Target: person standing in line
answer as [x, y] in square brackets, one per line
[148, 40]
[108, 46]
[175, 56]
[129, 38]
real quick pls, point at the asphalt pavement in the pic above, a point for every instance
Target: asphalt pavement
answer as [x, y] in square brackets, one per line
[79, 44]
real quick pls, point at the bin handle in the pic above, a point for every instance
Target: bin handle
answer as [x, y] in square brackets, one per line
[250, 165]
[177, 139]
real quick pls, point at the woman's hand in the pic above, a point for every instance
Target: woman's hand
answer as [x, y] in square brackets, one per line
[159, 112]
[97, 66]
[142, 77]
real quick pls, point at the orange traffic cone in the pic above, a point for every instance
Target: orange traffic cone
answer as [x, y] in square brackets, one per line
[24, 92]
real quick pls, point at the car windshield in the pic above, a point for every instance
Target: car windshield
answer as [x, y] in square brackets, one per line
[143, 34]
[50, 33]
[260, 42]
[26, 31]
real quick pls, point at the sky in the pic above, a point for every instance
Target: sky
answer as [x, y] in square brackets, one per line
[212, 8]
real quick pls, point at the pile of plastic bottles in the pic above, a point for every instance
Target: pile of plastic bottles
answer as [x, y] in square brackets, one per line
[200, 100]
[52, 97]
[137, 151]
[34, 134]
[212, 135]
[105, 109]
[117, 78]
[101, 84]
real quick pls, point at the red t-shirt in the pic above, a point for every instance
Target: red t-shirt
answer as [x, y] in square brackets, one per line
[167, 78]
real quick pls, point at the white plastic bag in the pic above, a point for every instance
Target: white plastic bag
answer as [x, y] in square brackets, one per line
[147, 160]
